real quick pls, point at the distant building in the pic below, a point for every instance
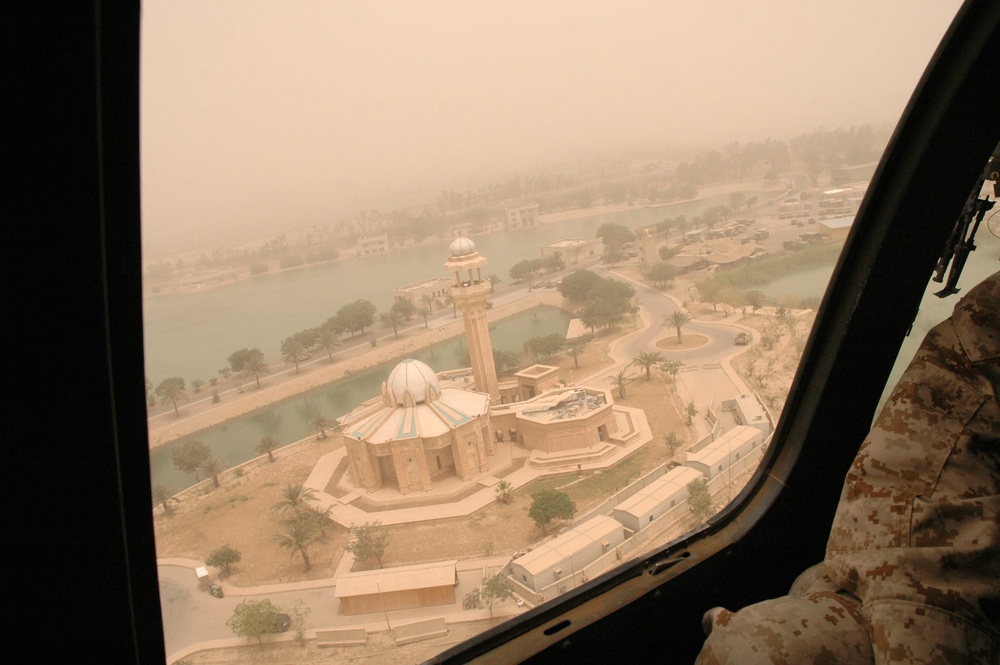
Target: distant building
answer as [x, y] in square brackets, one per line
[559, 559]
[521, 215]
[373, 244]
[431, 291]
[838, 227]
[573, 251]
[855, 173]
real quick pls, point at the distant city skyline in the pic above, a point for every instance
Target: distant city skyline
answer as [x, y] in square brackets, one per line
[258, 114]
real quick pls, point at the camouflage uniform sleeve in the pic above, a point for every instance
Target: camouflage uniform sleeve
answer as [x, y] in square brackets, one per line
[916, 534]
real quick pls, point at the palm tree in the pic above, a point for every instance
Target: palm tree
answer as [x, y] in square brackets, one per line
[327, 340]
[298, 534]
[172, 389]
[671, 367]
[504, 491]
[213, 467]
[254, 365]
[295, 499]
[619, 381]
[319, 423]
[677, 319]
[267, 445]
[575, 352]
[163, 495]
[646, 360]
[393, 319]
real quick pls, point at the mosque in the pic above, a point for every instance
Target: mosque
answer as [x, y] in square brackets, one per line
[426, 427]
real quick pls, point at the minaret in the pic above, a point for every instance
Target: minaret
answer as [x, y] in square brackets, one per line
[470, 293]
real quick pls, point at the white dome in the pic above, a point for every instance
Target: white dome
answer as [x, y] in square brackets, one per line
[414, 377]
[462, 247]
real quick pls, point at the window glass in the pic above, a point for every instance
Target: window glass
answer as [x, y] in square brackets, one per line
[416, 349]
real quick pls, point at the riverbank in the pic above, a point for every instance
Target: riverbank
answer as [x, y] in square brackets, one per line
[275, 388]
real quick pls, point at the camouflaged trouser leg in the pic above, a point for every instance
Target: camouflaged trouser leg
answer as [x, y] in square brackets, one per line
[813, 624]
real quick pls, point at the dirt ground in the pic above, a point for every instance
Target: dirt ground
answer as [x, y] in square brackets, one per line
[240, 514]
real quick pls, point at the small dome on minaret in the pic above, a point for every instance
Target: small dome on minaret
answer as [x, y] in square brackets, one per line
[462, 247]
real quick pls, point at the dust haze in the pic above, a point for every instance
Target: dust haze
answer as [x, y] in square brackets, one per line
[259, 115]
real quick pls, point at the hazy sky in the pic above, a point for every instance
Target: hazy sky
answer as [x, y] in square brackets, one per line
[260, 112]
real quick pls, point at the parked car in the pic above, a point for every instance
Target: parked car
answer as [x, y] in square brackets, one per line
[280, 623]
[742, 339]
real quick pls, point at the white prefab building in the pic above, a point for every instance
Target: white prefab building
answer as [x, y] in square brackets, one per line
[561, 558]
[730, 451]
[656, 499]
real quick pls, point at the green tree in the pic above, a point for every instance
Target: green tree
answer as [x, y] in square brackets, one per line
[196, 385]
[163, 495]
[425, 311]
[190, 457]
[677, 319]
[253, 619]
[672, 442]
[472, 600]
[299, 613]
[268, 445]
[356, 316]
[248, 364]
[577, 285]
[614, 235]
[172, 389]
[295, 499]
[671, 368]
[494, 280]
[612, 256]
[548, 505]
[369, 541]
[150, 393]
[327, 340]
[404, 307]
[496, 590]
[299, 533]
[660, 274]
[504, 491]
[526, 271]
[700, 500]
[755, 299]
[646, 360]
[319, 423]
[620, 381]
[692, 411]
[574, 350]
[224, 558]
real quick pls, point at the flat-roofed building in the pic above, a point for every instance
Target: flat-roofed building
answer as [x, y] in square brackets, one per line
[656, 499]
[521, 215]
[574, 250]
[403, 588]
[750, 412]
[373, 244]
[853, 173]
[560, 419]
[838, 227]
[570, 552]
[430, 292]
[729, 452]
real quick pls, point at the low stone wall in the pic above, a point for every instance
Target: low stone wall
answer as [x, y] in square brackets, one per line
[420, 630]
[341, 637]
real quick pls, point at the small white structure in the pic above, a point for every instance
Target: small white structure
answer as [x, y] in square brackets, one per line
[521, 215]
[750, 412]
[731, 451]
[656, 499]
[406, 587]
[573, 250]
[562, 557]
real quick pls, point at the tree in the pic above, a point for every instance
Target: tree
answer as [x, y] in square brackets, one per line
[295, 499]
[224, 558]
[755, 299]
[196, 385]
[548, 505]
[700, 500]
[213, 467]
[249, 364]
[545, 346]
[504, 492]
[172, 389]
[150, 394]
[619, 381]
[677, 319]
[356, 316]
[404, 307]
[574, 351]
[294, 351]
[393, 319]
[369, 541]
[671, 368]
[614, 235]
[267, 444]
[672, 442]
[612, 256]
[190, 457]
[319, 423]
[425, 311]
[163, 495]
[494, 280]
[646, 360]
[253, 619]
[497, 589]
[660, 274]
[472, 600]
[692, 411]
[299, 532]
[576, 286]
[326, 340]
[526, 270]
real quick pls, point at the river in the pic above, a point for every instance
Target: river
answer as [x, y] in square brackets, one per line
[191, 335]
